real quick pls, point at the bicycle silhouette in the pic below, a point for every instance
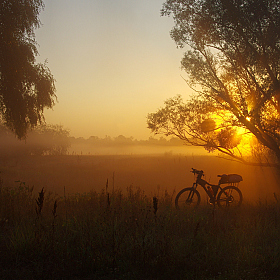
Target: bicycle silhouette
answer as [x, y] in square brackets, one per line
[227, 197]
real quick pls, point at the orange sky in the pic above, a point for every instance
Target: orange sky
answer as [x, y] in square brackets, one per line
[114, 62]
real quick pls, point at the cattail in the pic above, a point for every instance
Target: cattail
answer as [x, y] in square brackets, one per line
[108, 201]
[54, 209]
[155, 204]
[54, 215]
[107, 183]
[196, 230]
[40, 202]
[276, 197]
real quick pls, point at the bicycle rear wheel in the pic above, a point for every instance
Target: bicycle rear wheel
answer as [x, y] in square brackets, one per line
[229, 197]
[187, 198]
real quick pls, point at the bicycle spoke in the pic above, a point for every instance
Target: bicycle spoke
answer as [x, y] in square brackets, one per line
[187, 198]
[230, 197]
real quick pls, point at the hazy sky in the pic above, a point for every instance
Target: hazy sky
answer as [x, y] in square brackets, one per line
[114, 62]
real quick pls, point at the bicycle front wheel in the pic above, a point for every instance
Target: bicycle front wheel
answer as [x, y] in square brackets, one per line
[229, 197]
[187, 198]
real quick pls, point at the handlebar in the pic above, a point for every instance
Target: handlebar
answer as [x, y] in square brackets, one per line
[198, 172]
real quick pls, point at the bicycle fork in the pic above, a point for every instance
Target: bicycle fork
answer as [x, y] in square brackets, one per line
[191, 194]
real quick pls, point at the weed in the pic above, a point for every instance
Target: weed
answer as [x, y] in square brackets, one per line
[128, 242]
[40, 202]
[155, 204]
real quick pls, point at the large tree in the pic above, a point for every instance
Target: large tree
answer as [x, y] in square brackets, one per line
[233, 63]
[26, 88]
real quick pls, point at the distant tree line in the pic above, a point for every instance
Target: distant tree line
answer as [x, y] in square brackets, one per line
[55, 140]
[126, 141]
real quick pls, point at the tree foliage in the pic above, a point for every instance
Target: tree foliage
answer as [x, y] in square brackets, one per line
[26, 88]
[233, 62]
[42, 140]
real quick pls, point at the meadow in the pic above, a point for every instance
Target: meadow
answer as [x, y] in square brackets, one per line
[113, 217]
[154, 174]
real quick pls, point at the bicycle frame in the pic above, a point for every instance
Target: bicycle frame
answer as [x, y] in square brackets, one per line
[203, 184]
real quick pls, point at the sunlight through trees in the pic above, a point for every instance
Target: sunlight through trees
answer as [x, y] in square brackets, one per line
[232, 60]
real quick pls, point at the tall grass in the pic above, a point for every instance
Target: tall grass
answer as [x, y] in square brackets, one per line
[129, 235]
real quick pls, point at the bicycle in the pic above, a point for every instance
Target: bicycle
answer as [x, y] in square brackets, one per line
[227, 197]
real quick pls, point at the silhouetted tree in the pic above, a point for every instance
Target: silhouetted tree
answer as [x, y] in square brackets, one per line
[233, 63]
[49, 140]
[26, 88]
[43, 140]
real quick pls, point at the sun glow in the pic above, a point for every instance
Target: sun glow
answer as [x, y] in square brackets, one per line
[241, 139]
[245, 145]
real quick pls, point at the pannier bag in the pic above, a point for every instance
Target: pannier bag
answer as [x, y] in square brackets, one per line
[230, 178]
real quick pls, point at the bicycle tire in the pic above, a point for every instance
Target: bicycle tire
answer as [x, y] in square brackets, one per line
[229, 197]
[187, 198]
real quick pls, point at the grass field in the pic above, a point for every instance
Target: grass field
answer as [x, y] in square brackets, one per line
[128, 235]
[79, 227]
[153, 174]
